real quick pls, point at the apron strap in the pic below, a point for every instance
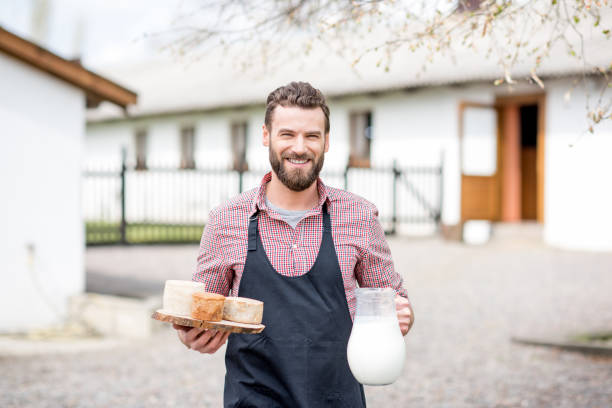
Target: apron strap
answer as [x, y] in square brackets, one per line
[253, 231]
[326, 219]
[254, 226]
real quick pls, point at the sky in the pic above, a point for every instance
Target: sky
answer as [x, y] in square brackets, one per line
[106, 33]
[101, 32]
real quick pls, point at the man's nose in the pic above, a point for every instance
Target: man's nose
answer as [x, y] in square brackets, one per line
[299, 147]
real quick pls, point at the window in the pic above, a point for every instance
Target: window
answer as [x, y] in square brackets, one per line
[360, 139]
[187, 147]
[140, 142]
[239, 146]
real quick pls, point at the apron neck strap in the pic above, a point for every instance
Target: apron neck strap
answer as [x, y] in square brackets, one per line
[253, 231]
[254, 226]
[326, 220]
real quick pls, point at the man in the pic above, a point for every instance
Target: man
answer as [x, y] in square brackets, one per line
[300, 247]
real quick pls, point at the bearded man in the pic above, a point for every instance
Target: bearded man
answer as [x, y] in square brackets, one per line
[302, 248]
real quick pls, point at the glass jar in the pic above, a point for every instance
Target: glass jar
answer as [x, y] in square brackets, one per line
[376, 349]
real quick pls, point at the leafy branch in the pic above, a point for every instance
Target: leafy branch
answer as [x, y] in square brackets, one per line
[520, 36]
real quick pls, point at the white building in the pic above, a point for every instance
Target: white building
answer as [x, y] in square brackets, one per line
[43, 101]
[510, 155]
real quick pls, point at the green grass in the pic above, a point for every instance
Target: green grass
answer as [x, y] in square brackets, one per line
[596, 337]
[143, 233]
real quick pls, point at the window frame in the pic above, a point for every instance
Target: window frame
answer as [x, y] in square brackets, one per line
[141, 136]
[187, 140]
[361, 159]
[239, 129]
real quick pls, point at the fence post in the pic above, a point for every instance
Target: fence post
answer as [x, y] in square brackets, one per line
[396, 174]
[240, 179]
[123, 225]
[345, 175]
[441, 194]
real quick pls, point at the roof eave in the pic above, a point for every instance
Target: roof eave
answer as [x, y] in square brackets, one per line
[96, 87]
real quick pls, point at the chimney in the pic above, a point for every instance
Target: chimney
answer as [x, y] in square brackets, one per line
[39, 22]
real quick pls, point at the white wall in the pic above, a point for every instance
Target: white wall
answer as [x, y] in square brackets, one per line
[212, 142]
[578, 192]
[42, 243]
[415, 128]
[103, 146]
[412, 128]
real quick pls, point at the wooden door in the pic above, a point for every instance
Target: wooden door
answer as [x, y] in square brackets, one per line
[479, 161]
[529, 187]
[532, 156]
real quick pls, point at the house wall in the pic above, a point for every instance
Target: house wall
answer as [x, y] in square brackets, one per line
[578, 197]
[412, 128]
[418, 128]
[212, 139]
[41, 142]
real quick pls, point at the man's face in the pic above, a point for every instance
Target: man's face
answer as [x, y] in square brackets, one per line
[297, 144]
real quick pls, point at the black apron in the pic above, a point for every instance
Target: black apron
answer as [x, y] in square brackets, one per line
[299, 360]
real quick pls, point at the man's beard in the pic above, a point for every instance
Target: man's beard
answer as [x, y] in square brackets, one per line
[298, 179]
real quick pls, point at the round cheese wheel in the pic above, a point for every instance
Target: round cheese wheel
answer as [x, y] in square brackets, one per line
[177, 296]
[242, 310]
[207, 306]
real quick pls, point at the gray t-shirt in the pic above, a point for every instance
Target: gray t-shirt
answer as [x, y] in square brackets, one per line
[291, 217]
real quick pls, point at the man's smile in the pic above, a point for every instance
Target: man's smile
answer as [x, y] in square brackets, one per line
[298, 162]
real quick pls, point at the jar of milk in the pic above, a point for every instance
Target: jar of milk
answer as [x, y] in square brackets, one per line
[376, 349]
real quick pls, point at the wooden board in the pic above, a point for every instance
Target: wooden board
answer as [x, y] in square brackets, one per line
[223, 325]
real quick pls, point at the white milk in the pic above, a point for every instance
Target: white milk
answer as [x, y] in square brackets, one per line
[376, 350]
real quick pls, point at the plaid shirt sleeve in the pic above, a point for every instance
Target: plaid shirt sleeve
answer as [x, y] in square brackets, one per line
[212, 269]
[375, 269]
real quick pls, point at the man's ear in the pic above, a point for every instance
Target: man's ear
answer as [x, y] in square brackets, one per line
[326, 142]
[265, 136]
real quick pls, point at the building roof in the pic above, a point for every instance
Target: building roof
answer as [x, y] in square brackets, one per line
[96, 87]
[171, 87]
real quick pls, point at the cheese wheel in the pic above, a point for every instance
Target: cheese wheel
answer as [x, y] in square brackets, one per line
[243, 310]
[207, 306]
[177, 296]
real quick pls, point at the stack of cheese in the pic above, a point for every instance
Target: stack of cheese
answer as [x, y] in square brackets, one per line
[186, 298]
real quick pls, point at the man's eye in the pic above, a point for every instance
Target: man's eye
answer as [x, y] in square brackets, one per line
[313, 136]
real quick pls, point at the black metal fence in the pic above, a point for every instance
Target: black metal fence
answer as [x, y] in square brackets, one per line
[169, 205]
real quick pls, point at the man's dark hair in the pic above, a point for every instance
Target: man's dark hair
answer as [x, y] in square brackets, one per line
[300, 94]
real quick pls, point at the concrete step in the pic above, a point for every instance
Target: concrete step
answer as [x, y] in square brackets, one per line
[115, 316]
[122, 285]
[528, 231]
[483, 232]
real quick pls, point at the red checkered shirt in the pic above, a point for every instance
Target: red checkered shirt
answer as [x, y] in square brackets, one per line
[363, 253]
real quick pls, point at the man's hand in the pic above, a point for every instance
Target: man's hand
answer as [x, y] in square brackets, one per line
[404, 314]
[202, 340]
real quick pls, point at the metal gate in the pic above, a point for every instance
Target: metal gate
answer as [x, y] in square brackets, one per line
[169, 205]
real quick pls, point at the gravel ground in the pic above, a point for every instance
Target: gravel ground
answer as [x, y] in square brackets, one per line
[469, 302]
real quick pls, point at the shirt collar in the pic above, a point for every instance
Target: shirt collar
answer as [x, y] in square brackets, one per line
[260, 198]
